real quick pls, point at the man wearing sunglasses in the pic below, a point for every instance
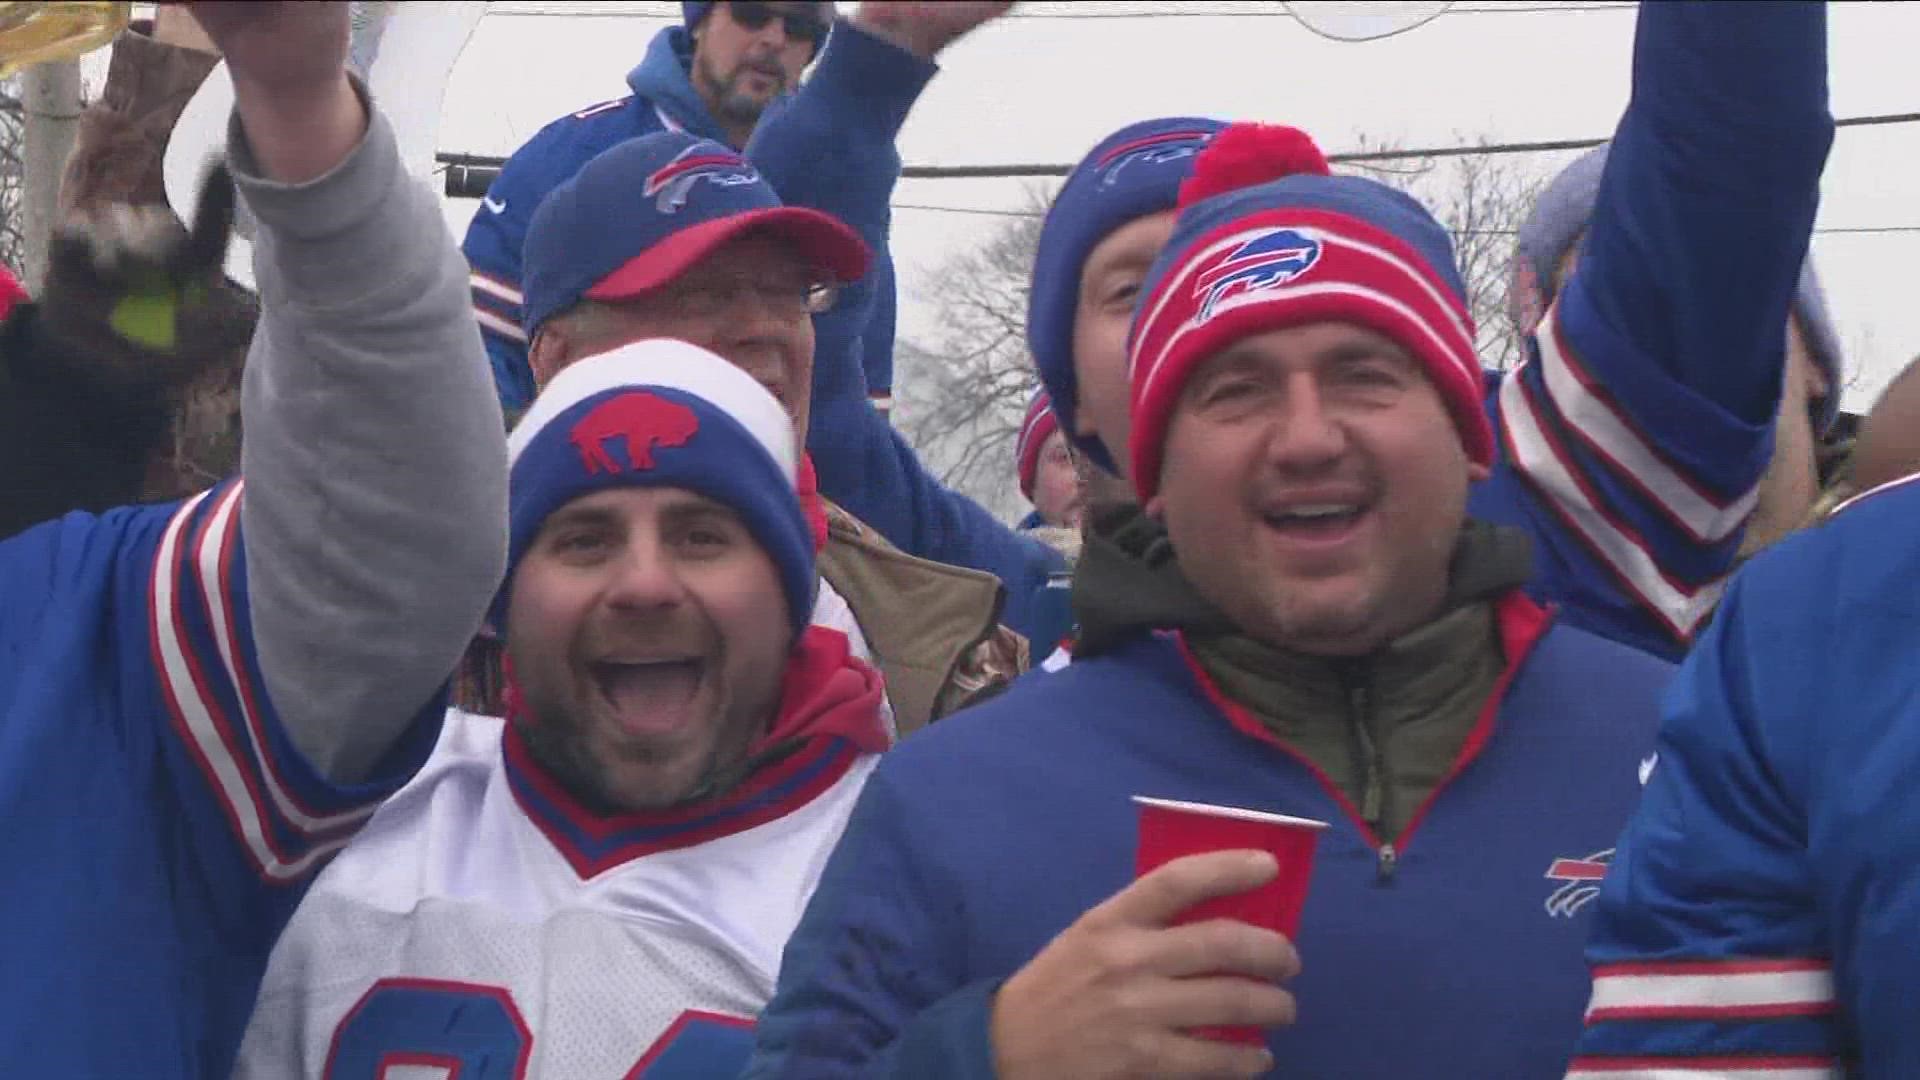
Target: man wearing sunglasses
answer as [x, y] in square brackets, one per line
[711, 77]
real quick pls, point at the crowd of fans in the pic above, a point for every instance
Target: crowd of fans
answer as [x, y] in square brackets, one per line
[573, 673]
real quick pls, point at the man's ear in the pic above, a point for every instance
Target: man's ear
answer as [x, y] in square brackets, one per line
[549, 352]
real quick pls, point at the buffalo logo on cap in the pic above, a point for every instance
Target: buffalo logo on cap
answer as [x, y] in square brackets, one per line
[670, 184]
[1269, 260]
[1149, 150]
[645, 421]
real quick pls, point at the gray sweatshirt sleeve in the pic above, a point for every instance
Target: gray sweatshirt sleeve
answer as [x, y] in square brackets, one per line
[374, 512]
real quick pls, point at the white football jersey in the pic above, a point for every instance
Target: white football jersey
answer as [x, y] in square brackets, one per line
[483, 926]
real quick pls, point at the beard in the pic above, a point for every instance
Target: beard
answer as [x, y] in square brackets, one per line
[731, 101]
[558, 736]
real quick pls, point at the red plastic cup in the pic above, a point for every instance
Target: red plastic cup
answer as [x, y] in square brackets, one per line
[1170, 830]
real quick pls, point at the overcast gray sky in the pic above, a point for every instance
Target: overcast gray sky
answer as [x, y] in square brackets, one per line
[1046, 83]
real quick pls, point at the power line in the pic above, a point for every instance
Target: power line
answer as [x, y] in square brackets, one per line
[671, 11]
[1841, 230]
[469, 174]
[1528, 9]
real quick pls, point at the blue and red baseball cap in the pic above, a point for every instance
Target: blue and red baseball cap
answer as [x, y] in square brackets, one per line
[639, 214]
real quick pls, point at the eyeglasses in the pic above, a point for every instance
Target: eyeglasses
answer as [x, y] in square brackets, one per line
[717, 298]
[799, 25]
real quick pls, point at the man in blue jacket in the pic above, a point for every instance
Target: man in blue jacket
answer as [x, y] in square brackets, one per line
[1643, 431]
[714, 76]
[1336, 639]
[1759, 919]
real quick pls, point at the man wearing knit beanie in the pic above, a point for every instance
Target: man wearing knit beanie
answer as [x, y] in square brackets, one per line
[672, 236]
[1049, 477]
[1307, 419]
[1333, 638]
[1104, 229]
[1547, 256]
[604, 878]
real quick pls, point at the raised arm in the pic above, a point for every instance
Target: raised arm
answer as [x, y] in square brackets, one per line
[1644, 423]
[373, 518]
[831, 147]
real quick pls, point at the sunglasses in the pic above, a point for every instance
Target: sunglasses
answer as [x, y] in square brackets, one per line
[752, 15]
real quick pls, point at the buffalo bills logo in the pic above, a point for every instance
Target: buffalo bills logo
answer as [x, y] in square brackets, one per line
[1149, 150]
[643, 421]
[1267, 261]
[670, 184]
[1581, 883]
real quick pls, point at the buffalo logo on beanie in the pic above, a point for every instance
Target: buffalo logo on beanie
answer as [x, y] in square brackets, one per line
[1157, 148]
[663, 414]
[642, 420]
[1267, 261]
[1252, 253]
[669, 185]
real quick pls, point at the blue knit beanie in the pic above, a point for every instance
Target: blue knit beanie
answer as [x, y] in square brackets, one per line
[1559, 217]
[1133, 172]
[662, 414]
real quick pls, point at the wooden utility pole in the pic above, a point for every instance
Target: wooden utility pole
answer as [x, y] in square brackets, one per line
[50, 98]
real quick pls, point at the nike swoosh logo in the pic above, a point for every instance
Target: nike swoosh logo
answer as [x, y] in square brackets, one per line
[498, 206]
[1646, 768]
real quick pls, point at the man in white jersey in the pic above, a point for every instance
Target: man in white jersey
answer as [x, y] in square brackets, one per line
[599, 885]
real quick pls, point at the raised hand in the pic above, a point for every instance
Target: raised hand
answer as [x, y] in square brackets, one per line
[288, 61]
[923, 27]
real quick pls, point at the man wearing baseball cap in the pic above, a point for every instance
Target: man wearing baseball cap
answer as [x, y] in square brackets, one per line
[1333, 638]
[673, 236]
[728, 68]
[600, 884]
[713, 75]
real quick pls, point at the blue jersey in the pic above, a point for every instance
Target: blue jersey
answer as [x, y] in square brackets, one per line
[1761, 914]
[161, 826]
[1632, 441]
[1456, 956]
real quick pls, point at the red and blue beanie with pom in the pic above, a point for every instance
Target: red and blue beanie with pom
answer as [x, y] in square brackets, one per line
[1035, 429]
[1267, 240]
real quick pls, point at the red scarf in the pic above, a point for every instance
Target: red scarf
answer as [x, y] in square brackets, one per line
[812, 507]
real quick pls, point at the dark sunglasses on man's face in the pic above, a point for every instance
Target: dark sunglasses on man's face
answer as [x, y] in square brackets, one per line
[800, 25]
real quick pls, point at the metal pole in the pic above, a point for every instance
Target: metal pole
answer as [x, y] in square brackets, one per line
[50, 98]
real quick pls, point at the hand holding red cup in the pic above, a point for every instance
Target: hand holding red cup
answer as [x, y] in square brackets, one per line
[1171, 829]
